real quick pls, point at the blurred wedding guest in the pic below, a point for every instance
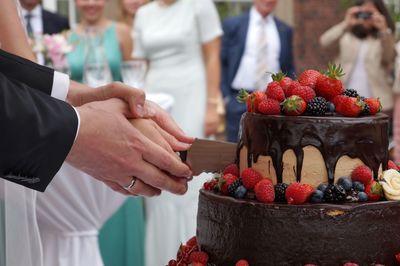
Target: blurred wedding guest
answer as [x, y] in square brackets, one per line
[97, 36]
[181, 41]
[40, 21]
[366, 50]
[128, 11]
[121, 239]
[396, 115]
[253, 44]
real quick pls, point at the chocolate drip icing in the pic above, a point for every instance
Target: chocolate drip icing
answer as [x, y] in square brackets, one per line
[365, 138]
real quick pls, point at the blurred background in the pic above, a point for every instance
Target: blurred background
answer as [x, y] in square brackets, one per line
[309, 18]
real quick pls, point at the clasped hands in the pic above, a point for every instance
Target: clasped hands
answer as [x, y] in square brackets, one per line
[123, 136]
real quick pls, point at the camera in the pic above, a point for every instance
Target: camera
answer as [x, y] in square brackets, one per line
[364, 15]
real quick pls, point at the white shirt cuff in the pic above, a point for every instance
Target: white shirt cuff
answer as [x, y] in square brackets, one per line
[79, 123]
[60, 86]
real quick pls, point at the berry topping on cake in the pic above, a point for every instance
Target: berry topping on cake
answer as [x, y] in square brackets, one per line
[232, 169]
[269, 107]
[304, 92]
[210, 185]
[331, 107]
[232, 187]
[240, 192]
[275, 91]
[335, 194]
[242, 263]
[351, 107]
[265, 191]
[322, 187]
[317, 196]
[252, 100]
[283, 80]
[280, 191]
[317, 106]
[362, 196]
[294, 105]
[397, 257]
[374, 191]
[346, 183]
[351, 93]
[309, 78]
[250, 178]
[297, 193]
[329, 85]
[362, 174]
[293, 86]
[198, 256]
[374, 105]
[192, 242]
[225, 182]
[358, 186]
[350, 264]
[392, 165]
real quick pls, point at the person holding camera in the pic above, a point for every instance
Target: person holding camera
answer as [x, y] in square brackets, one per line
[366, 50]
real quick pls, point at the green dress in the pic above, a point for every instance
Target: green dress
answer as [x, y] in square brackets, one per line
[122, 237]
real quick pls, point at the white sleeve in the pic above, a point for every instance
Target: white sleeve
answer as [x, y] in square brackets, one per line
[207, 20]
[138, 49]
[60, 86]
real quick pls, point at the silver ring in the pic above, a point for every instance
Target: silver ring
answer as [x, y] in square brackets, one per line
[131, 185]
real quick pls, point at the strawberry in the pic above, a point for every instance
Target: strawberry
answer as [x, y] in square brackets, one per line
[294, 105]
[329, 85]
[297, 193]
[374, 105]
[284, 81]
[392, 165]
[362, 174]
[374, 191]
[350, 264]
[304, 92]
[198, 256]
[225, 182]
[338, 100]
[309, 78]
[269, 107]
[210, 185]
[192, 242]
[252, 100]
[242, 263]
[232, 169]
[295, 84]
[397, 257]
[275, 91]
[351, 107]
[265, 191]
[250, 178]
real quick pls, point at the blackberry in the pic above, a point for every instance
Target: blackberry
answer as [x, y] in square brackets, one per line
[365, 110]
[351, 93]
[280, 190]
[351, 195]
[335, 194]
[232, 187]
[317, 106]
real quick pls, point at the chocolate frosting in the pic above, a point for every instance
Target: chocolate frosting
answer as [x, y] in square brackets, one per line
[365, 138]
[280, 234]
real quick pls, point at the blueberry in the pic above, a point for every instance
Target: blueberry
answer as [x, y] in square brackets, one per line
[358, 186]
[331, 107]
[322, 187]
[345, 182]
[362, 196]
[240, 192]
[317, 196]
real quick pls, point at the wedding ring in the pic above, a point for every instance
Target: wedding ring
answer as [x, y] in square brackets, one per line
[131, 185]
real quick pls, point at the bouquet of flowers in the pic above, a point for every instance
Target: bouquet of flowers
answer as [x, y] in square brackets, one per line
[54, 49]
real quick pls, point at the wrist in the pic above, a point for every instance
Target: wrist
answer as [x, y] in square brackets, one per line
[385, 31]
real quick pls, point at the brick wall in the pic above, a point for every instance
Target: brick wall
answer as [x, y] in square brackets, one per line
[311, 19]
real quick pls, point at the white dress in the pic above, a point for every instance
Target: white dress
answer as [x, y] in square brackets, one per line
[171, 38]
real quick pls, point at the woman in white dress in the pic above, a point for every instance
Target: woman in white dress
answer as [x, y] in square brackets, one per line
[181, 41]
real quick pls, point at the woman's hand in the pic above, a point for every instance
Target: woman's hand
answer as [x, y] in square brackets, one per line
[379, 21]
[351, 17]
[212, 120]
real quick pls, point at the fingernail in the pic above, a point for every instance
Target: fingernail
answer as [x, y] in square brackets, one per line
[139, 110]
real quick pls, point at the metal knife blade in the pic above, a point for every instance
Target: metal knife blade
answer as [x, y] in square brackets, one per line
[209, 156]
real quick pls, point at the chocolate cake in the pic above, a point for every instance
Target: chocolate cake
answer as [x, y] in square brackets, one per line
[310, 150]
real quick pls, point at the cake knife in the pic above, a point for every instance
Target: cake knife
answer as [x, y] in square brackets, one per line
[209, 156]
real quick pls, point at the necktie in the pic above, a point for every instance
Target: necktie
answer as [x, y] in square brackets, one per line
[262, 64]
[29, 28]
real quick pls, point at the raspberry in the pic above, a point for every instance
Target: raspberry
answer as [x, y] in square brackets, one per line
[242, 263]
[210, 185]
[198, 256]
[297, 193]
[250, 178]
[265, 191]
[362, 174]
[232, 169]
[192, 242]
[226, 181]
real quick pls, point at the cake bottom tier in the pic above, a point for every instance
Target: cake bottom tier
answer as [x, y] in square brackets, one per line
[279, 234]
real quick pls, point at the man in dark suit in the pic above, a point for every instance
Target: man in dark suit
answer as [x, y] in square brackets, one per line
[253, 44]
[40, 21]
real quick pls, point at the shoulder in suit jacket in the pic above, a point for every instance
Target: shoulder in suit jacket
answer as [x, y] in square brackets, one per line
[53, 23]
[37, 130]
[233, 46]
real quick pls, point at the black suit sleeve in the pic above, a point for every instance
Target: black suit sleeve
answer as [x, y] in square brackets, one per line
[27, 72]
[225, 86]
[37, 132]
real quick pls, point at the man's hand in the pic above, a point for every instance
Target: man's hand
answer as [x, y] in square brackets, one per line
[110, 149]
